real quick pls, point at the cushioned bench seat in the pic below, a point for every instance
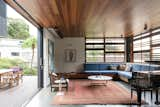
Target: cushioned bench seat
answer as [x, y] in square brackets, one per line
[125, 74]
[120, 73]
[114, 68]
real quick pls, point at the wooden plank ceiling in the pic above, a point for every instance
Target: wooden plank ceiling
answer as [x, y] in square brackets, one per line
[76, 18]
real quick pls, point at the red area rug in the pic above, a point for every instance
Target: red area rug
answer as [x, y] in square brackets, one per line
[83, 92]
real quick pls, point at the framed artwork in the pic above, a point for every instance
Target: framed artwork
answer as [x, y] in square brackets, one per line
[50, 56]
[70, 55]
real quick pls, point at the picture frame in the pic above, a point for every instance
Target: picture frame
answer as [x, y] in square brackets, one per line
[70, 55]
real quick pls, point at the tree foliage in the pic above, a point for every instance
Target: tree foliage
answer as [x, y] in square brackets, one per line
[30, 43]
[17, 29]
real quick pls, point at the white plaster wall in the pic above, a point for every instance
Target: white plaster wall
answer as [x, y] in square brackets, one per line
[77, 43]
[47, 35]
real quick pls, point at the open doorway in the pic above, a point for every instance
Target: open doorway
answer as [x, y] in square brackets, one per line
[18, 52]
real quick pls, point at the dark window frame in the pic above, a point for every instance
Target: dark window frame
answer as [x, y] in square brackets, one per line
[104, 43]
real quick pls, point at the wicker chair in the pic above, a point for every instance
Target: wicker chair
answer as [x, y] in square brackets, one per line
[140, 83]
[56, 82]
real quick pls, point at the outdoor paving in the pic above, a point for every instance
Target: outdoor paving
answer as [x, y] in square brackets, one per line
[19, 95]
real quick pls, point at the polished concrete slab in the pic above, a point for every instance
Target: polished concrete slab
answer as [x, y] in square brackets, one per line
[18, 95]
[45, 97]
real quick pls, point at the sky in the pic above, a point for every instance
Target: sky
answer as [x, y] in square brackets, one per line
[11, 13]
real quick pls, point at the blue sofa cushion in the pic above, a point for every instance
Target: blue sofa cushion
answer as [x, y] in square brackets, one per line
[128, 68]
[144, 67]
[91, 67]
[136, 67]
[103, 66]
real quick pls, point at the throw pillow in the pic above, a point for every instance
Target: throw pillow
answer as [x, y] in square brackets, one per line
[128, 68]
[113, 67]
[122, 67]
[54, 74]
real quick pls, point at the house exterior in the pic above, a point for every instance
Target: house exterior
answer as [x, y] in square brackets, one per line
[12, 48]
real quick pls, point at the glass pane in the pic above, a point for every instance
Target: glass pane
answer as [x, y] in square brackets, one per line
[114, 48]
[142, 35]
[143, 44]
[156, 50]
[94, 46]
[156, 54]
[137, 45]
[156, 39]
[157, 30]
[114, 40]
[156, 57]
[146, 44]
[94, 56]
[135, 37]
[145, 56]
[145, 34]
[114, 57]
[94, 41]
[137, 57]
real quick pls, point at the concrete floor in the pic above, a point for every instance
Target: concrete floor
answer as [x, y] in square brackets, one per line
[19, 95]
[45, 97]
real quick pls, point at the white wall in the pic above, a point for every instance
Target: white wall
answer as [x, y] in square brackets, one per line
[47, 35]
[77, 43]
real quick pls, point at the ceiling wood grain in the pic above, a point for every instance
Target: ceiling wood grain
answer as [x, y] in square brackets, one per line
[75, 18]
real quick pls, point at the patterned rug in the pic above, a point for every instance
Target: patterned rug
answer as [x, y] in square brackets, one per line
[84, 92]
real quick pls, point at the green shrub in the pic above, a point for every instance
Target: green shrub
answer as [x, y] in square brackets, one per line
[27, 71]
[7, 63]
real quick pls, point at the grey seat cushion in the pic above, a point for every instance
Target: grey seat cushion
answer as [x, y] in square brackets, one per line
[125, 74]
[102, 72]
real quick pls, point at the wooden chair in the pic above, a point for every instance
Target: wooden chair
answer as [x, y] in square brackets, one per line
[18, 71]
[19, 76]
[56, 82]
[9, 78]
[140, 83]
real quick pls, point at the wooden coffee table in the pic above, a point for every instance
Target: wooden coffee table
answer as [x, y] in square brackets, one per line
[102, 78]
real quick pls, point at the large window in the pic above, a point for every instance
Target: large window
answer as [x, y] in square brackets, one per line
[104, 50]
[156, 47]
[147, 46]
[141, 48]
[95, 50]
[114, 50]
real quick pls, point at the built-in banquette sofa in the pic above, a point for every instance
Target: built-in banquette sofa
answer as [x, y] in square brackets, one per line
[122, 71]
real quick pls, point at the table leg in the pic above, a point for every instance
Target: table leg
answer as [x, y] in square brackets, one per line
[0, 79]
[157, 102]
[106, 83]
[60, 87]
[139, 93]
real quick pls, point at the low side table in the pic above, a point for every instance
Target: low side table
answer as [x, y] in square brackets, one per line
[100, 78]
